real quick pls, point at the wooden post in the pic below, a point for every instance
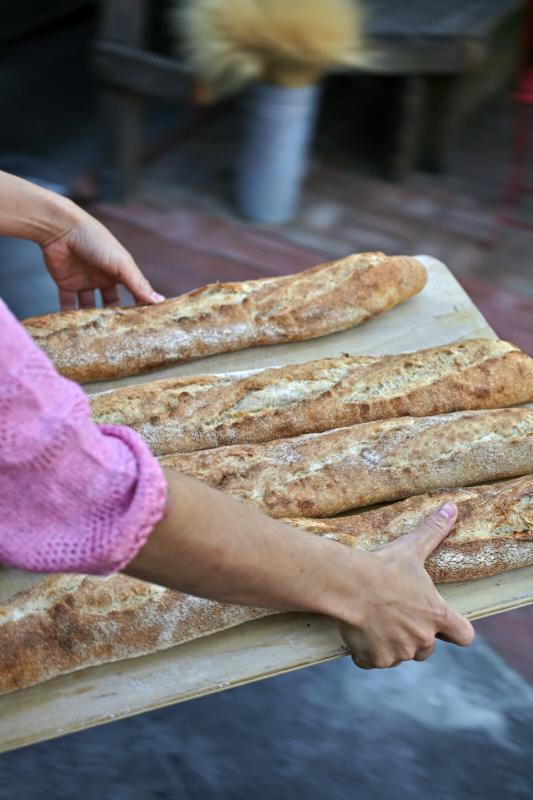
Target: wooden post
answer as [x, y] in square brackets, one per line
[443, 119]
[122, 22]
[407, 126]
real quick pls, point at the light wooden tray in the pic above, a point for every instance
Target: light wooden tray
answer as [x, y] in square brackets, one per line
[441, 313]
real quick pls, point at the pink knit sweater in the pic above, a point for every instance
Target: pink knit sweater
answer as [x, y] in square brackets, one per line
[74, 496]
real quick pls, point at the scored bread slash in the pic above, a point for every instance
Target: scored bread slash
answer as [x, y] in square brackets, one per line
[182, 415]
[321, 474]
[69, 622]
[97, 344]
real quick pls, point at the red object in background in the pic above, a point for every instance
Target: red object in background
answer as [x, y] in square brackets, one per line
[522, 98]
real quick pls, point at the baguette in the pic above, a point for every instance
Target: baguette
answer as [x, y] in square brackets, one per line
[68, 622]
[493, 532]
[181, 415]
[322, 474]
[95, 344]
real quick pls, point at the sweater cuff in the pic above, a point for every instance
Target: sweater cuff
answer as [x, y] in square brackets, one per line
[147, 505]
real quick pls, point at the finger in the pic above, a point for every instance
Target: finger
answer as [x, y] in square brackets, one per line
[134, 280]
[379, 657]
[359, 649]
[362, 663]
[459, 631]
[366, 663]
[432, 530]
[67, 300]
[86, 298]
[424, 652]
[456, 629]
[110, 296]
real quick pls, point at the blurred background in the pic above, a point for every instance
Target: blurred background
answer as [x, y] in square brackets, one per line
[238, 139]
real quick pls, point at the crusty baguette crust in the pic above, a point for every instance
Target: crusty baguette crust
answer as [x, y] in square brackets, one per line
[493, 532]
[68, 622]
[321, 474]
[182, 415]
[95, 344]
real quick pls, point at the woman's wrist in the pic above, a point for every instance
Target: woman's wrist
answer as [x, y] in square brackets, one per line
[28, 211]
[59, 216]
[348, 580]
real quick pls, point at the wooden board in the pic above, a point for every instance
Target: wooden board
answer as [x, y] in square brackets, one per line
[441, 313]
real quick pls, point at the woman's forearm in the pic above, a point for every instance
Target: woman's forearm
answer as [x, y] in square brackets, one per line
[28, 211]
[210, 545]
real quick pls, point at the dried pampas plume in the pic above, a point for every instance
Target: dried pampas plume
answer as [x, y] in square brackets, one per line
[288, 42]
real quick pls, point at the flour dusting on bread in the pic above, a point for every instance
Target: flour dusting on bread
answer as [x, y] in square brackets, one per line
[96, 344]
[180, 415]
[323, 474]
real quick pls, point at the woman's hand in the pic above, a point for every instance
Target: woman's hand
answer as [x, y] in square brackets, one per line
[86, 257]
[79, 252]
[402, 612]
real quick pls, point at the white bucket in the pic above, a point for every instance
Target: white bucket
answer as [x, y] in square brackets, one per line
[278, 128]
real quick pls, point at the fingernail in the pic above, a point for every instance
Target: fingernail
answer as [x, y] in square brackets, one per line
[447, 510]
[157, 298]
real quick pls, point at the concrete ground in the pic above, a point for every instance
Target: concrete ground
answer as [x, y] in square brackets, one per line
[458, 726]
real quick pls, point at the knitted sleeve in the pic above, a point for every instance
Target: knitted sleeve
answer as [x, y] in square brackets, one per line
[74, 496]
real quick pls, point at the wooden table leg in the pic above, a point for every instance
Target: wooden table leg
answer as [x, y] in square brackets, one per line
[408, 122]
[443, 115]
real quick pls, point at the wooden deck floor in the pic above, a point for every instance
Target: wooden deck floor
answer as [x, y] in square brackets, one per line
[182, 248]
